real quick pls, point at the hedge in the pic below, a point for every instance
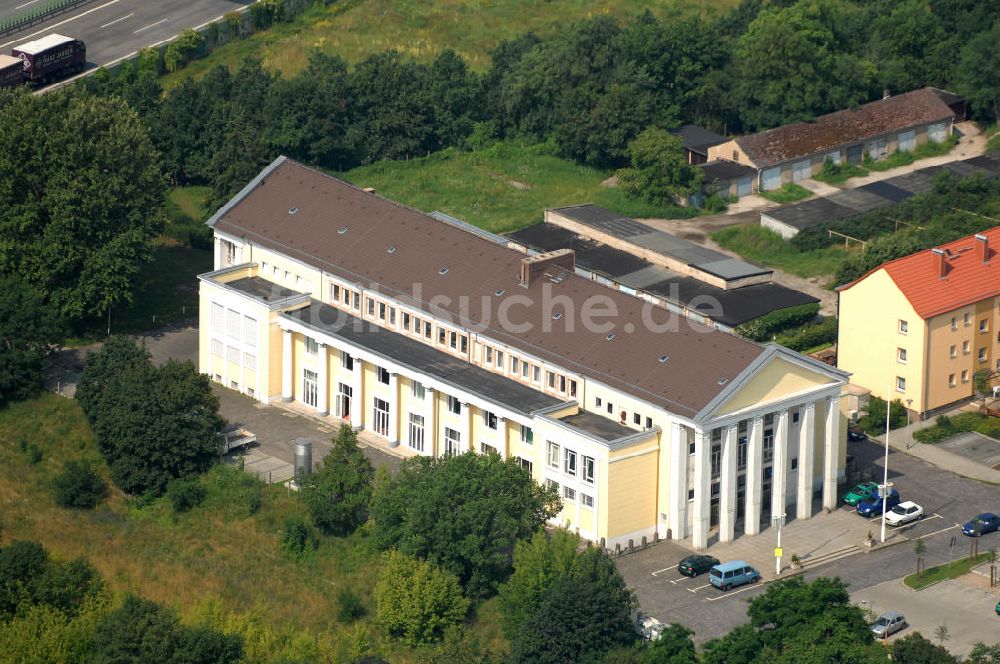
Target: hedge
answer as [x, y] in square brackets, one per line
[811, 336]
[767, 326]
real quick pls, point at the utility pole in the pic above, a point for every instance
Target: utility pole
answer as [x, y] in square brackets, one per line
[885, 465]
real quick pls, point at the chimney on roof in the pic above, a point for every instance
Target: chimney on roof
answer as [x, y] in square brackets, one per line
[940, 260]
[533, 266]
[983, 248]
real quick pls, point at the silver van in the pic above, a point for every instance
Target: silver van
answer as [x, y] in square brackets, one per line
[731, 574]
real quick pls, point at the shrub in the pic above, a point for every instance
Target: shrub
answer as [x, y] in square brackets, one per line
[874, 421]
[78, 485]
[349, 606]
[185, 494]
[811, 336]
[34, 454]
[297, 537]
[765, 327]
[416, 600]
[339, 492]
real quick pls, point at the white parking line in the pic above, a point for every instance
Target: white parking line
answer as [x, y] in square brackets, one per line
[943, 530]
[30, 2]
[71, 18]
[680, 580]
[118, 20]
[694, 590]
[665, 569]
[730, 593]
[151, 25]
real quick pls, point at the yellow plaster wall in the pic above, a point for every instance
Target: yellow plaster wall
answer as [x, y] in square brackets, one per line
[630, 493]
[777, 380]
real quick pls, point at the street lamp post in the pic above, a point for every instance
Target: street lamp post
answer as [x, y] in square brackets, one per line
[885, 465]
[778, 520]
[909, 430]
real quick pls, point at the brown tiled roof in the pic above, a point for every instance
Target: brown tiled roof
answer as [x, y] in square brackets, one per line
[699, 357]
[827, 132]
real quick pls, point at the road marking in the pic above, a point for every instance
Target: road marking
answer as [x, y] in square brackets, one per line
[30, 2]
[730, 593]
[63, 22]
[943, 530]
[680, 580]
[118, 20]
[665, 569]
[694, 590]
[151, 25]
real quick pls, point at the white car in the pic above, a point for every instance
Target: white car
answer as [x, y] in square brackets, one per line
[904, 513]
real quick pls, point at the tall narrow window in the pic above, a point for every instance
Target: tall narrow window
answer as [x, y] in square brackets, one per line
[380, 415]
[417, 432]
[569, 463]
[553, 451]
[452, 442]
[589, 469]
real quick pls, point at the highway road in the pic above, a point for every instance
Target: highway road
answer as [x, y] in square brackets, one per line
[114, 29]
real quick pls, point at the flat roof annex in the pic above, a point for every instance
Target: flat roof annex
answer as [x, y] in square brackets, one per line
[348, 233]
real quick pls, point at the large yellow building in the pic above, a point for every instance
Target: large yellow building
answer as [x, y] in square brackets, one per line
[438, 340]
[920, 327]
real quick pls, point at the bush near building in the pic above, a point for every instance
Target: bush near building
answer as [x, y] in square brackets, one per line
[947, 426]
[766, 327]
[873, 421]
[416, 600]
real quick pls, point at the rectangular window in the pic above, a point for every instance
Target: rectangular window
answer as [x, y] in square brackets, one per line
[536, 374]
[572, 388]
[417, 390]
[452, 442]
[490, 420]
[335, 292]
[900, 384]
[569, 493]
[442, 335]
[417, 432]
[553, 451]
[218, 348]
[524, 463]
[250, 330]
[371, 307]
[392, 316]
[463, 344]
[649, 422]
[951, 380]
[514, 365]
[981, 355]
[487, 449]
[487, 355]
[716, 460]
[551, 379]
[250, 361]
[904, 327]
[500, 360]
[525, 369]
[690, 494]
[381, 311]
[552, 484]
[453, 340]
[427, 330]
[218, 317]
[589, 469]
[310, 388]
[983, 325]
[636, 418]
[312, 347]
[383, 375]
[741, 453]
[346, 361]
[611, 408]
[233, 324]
[569, 463]
[527, 435]
[562, 384]
[454, 405]
[587, 501]
[954, 323]
[965, 320]
[356, 304]
[965, 376]
[953, 351]
[901, 355]
[965, 347]
[380, 414]
[597, 402]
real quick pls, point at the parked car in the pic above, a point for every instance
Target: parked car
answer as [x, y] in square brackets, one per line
[694, 565]
[732, 574]
[873, 507]
[903, 513]
[888, 624]
[861, 493]
[987, 522]
[856, 435]
[997, 607]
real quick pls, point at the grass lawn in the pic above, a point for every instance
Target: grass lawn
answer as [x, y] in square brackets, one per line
[502, 188]
[841, 173]
[220, 561]
[421, 29]
[787, 193]
[923, 151]
[767, 247]
[944, 572]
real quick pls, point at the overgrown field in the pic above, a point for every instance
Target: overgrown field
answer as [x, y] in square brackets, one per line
[421, 29]
[220, 562]
[767, 247]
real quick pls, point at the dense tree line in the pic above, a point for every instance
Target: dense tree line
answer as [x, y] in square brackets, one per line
[590, 89]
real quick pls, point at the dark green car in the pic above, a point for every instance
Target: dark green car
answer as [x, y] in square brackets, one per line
[860, 493]
[694, 565]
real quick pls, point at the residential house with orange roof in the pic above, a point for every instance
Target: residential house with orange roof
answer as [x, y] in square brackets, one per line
[919, 328]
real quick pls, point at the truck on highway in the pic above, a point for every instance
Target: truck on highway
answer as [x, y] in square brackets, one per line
[50, 57]
[10, 71]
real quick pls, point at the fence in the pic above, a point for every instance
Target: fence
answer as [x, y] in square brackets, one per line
[39, 15]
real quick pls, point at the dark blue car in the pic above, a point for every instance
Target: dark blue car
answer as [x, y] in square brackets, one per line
[986, 522]
[873, 507]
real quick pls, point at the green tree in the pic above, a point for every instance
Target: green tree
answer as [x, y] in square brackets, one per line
[152, 424]
[673, 647]
[978, 73]
[537, 563]
[878, 251]
[792, 64]
[81, 198]
[28, 332]
[984, 654]
[660, 172]
[339, 492]
[581, 617]
[915, 649]
[464, 513]
[78, 485]
[29, 578]
[416, 600]
[182, 49]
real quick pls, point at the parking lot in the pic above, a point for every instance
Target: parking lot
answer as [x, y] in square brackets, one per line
[948, 500]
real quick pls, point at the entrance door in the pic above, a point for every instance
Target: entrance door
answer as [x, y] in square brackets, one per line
[343, 407]
[854, 154]
[309, 389]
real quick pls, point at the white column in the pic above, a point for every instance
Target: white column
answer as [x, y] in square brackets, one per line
[677, 496]
[807, 447]
[755, 464]
[464, 428]
[218, 253]
[393, 410]
[502, 437]
[323, 382]
[286, 366]
[831, 453]
[727, 487]
[779, 469]
[430, 422]
[702, 488]
[358, 395]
